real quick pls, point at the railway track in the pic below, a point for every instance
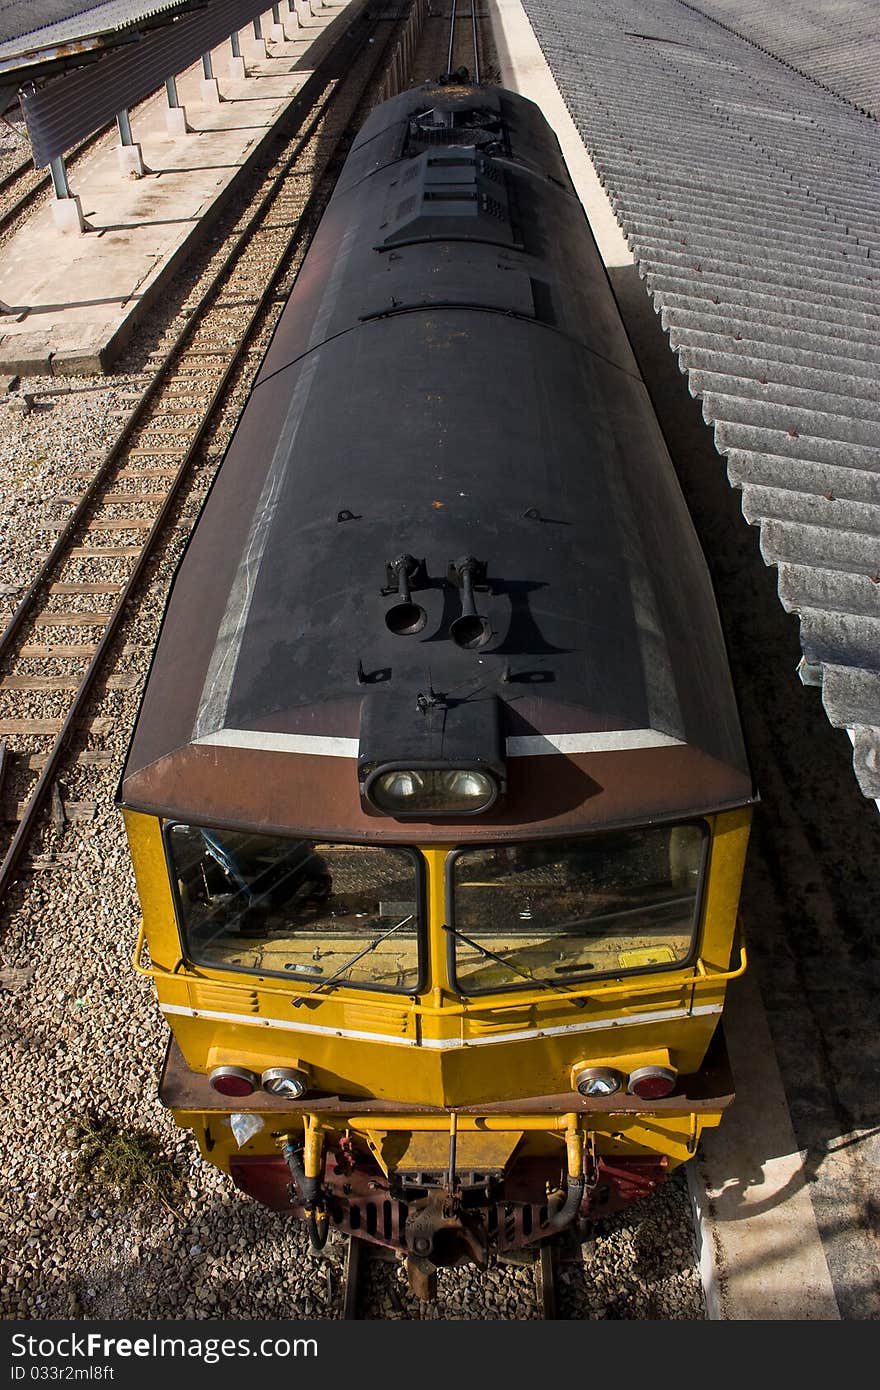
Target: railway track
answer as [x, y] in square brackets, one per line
[56, 643]
[372, 1279]
[463, 48]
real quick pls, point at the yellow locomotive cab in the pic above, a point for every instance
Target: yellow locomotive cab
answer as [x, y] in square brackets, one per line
[491, 1076]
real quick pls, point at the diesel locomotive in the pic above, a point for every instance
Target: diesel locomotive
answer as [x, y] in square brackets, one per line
[437, 797]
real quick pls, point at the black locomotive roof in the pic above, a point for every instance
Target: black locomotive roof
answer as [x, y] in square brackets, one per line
[449, 379]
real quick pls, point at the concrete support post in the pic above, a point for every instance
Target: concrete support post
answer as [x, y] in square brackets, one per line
[256, 44]
[128, 153]
[276, 28]
[58, 173]
[290, 19]
[209, 89]
[237, 70]
[123, 125]
[175, 116]
[66, 207]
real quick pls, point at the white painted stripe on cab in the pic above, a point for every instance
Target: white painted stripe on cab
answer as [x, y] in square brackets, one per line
[319, 745]
[528, 746]
[615, 741]
[442, 1044]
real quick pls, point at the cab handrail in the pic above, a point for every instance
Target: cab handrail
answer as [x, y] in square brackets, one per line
[703, 976]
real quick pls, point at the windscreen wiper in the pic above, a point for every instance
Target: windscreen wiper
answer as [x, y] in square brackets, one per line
[509, 965]
[333, 980]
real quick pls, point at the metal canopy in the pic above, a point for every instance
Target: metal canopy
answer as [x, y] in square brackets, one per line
[35, 38]
[71, 107]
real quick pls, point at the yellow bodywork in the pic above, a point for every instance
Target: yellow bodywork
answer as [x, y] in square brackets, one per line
[439, 1050]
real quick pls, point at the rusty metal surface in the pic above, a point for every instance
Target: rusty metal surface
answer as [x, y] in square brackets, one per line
[545, 1279]
[710, 1089]
[243, 788]
[354, 1254]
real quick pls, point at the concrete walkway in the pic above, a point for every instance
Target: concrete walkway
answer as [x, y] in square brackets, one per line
[72, 298]
[762, 1254]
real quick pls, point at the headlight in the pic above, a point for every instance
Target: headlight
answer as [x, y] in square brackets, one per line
[466, 786]
[597, 1081]
[285, 1082]
[439, 791]
[401, 787]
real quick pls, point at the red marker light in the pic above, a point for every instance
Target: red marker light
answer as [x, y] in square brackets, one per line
[234, 1081]
[652, 1083]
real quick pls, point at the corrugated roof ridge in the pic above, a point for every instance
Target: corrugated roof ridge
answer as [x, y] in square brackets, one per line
[781, 331]
[791, 365]
[705, 381]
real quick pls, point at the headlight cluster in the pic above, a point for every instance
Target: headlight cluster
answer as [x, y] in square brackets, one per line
[648, 1083]
[427, 790]
[289, 1083]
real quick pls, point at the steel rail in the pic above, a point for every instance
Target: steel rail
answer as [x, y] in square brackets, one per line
[545, 1279]
[354, 1259]
[451, 37]
[34, 803]
[453, 20]
[358, 1254]
[24, 200]
[476, 72]
[9, 178]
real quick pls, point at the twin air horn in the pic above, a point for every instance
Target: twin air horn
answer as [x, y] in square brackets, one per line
[405, 574]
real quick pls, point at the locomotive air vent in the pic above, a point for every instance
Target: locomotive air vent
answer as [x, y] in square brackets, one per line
[454, 193]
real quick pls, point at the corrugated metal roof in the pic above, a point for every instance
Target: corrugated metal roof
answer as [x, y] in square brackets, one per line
[832, 41]
[750, 198]
[26, 26]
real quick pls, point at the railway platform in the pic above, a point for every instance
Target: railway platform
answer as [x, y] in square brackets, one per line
[71, 299]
